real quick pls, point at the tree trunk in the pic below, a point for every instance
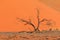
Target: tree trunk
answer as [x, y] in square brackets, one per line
[37, 30]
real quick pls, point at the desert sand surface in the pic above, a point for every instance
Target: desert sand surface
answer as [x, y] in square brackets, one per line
[47, 35]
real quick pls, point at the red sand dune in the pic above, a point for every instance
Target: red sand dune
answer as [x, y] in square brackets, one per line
[25, 9]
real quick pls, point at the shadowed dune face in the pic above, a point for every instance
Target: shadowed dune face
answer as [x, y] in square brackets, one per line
[52, 3]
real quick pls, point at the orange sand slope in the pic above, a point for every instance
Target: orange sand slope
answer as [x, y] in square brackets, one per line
[25, 9]
[52, 3]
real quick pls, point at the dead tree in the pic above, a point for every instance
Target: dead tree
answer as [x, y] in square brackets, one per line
[30, 23]
[50, 23]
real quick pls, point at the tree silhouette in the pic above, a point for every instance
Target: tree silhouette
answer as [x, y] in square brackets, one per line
[50, 24]
[38, 21]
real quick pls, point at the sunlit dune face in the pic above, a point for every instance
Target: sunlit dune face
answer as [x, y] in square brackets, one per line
[25, 9]
[55, 4]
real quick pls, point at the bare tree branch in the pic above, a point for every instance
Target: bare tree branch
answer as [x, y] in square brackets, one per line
[43, 20]
[50, 23]
[27, 22]
[38, 18]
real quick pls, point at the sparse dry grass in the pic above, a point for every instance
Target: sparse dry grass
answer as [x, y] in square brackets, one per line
[53, 35]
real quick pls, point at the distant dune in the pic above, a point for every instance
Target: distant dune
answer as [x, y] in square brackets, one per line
[52, 3]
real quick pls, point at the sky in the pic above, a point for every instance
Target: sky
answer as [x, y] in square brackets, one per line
[25, 9]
